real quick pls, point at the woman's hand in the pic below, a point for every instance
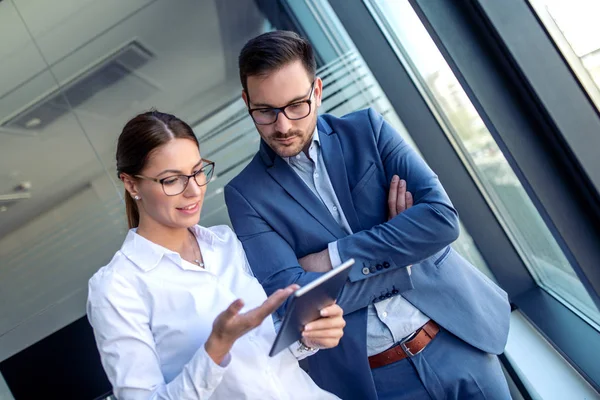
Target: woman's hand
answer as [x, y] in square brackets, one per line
[326, 331]
[231, 325]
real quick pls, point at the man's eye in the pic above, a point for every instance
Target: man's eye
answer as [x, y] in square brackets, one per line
[294, 106]
[265, 111]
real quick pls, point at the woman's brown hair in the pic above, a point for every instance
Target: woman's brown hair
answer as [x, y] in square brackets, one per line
[139, 138]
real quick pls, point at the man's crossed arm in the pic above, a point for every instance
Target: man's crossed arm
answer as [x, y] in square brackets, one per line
[399, 200]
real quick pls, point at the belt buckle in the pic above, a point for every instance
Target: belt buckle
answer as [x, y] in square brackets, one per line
[406, 349]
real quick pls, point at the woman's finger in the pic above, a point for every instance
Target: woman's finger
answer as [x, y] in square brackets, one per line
[233, 309]
[271, 304]
[332, 311]
[325, 323]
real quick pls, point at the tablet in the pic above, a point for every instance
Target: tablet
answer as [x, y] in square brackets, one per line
[307, 302]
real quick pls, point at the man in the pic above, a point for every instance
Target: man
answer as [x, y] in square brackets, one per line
[421, 321]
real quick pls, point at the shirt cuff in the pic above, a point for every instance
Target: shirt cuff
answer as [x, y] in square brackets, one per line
[209, 372]
[334, 254]
[300, 352]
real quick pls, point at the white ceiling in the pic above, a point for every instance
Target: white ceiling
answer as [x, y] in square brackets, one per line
[51, 243]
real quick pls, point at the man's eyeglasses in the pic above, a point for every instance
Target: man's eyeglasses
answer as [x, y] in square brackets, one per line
[176, 184]
[294, 111]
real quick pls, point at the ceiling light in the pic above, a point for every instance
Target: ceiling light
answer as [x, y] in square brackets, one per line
[33, 122]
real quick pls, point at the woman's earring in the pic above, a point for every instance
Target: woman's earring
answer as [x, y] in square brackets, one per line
[136, 197]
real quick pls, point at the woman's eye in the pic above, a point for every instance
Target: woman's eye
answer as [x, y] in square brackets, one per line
[170, 181]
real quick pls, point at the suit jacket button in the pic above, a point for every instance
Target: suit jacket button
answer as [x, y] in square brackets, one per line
[366, 271]
[372, 268]
[386, 265]
[381, 297]
[388, 295]
[395, 291]
[379, 267]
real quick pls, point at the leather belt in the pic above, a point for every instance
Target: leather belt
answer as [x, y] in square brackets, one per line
[419, 340]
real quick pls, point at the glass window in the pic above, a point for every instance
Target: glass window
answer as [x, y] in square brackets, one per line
[574, 27]
[5, 393]
[512, 206]
[73, 73]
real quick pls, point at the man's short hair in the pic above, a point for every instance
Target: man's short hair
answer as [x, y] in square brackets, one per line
[271, 51]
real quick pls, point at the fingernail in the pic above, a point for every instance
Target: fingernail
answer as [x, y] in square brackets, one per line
[395, 178]
[323, 313]
[402, 182]
[306, 328]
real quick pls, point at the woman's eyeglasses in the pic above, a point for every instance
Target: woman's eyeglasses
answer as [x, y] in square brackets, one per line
[176, 184]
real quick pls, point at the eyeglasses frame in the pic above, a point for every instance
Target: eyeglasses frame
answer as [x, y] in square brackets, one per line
[161, 180]
[279, 110]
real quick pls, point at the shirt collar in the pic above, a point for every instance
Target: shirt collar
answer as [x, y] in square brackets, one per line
[146, 255]
[315, 139]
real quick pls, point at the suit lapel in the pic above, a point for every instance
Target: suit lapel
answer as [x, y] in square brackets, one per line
[292, 183]
[336, 169]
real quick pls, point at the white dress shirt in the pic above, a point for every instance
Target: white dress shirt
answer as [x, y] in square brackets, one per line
[152, 313]
[389, 320]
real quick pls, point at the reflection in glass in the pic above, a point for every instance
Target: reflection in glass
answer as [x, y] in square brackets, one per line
[574, 27]
[73, 74]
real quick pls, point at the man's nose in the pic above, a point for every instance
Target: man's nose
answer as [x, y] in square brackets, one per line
[283, 124]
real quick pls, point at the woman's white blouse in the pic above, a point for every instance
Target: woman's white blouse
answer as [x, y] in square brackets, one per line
[152, 312]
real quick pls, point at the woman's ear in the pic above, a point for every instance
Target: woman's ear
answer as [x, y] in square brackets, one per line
[130, 185]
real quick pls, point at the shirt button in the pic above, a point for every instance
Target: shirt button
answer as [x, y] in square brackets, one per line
[384, 314]
[316, 175]
[366, 271]
[334, 208]
[298, 157]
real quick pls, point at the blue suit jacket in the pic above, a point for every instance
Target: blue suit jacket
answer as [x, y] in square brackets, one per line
[278, 219]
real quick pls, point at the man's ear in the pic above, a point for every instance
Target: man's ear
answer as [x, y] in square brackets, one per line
[245, 97]
[318, 92]
[130, 184]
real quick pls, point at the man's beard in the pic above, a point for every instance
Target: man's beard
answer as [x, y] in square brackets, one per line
[292, 133]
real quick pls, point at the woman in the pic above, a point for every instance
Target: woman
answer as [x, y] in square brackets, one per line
[177, 313]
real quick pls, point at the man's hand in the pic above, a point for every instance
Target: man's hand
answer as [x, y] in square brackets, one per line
[316, 262]
[325, 332]
[230, 325]
[399, 199]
